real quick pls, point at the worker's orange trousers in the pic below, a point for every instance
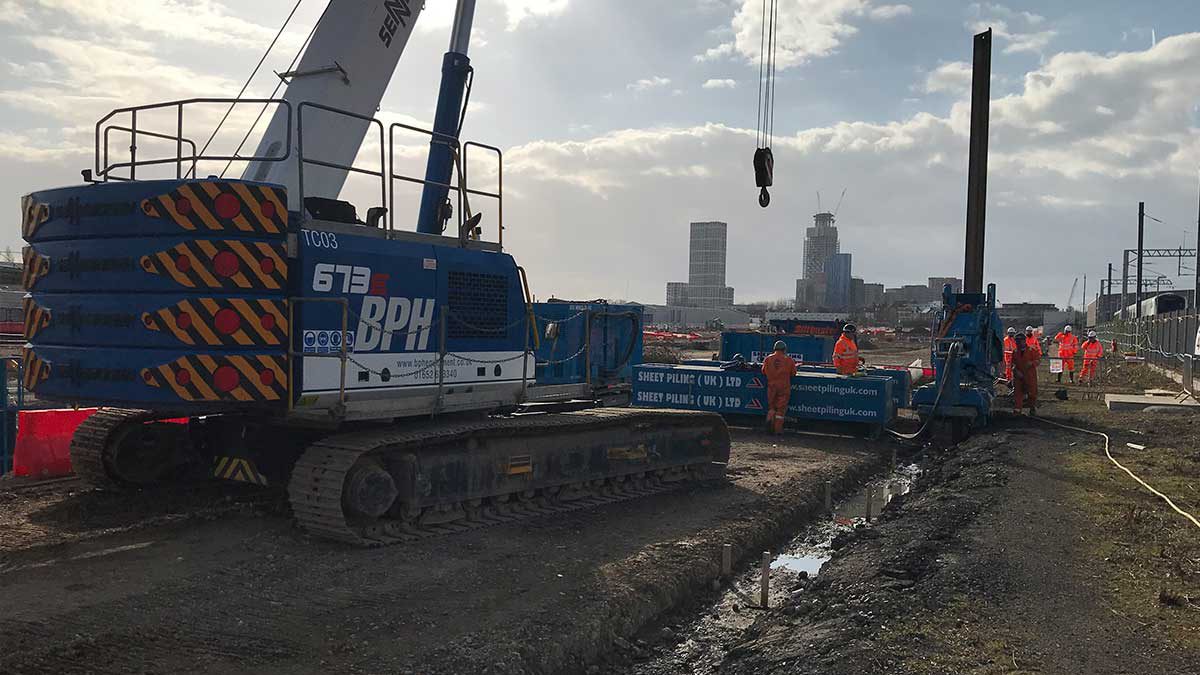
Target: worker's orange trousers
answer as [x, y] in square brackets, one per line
[1068, 361]
[777, 402]
[1089, 369]
[1025, 390]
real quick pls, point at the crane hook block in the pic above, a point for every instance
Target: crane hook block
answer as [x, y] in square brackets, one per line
[764, 169]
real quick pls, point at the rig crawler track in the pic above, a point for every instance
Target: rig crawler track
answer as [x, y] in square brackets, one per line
[461, 476]
[92, 445]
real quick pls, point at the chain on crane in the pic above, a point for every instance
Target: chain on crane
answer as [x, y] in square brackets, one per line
[764, 160]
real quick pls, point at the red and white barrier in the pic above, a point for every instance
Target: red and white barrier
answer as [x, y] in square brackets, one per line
[43, 448]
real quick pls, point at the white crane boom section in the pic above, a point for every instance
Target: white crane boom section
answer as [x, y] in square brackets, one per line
[347, 65]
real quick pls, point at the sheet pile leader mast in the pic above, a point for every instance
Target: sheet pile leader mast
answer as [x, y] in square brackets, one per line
[368, 366]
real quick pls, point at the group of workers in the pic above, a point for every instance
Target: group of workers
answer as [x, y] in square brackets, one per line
[1023, 354]
[779, 369]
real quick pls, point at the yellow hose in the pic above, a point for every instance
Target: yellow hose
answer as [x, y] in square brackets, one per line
[1141, 482]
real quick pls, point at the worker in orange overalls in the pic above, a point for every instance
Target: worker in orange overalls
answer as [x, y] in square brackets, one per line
[845, 352]
[1068, 344]
[1032, 341]
[1025, 362]
[779, 369]
[1010, 345]
[1093, 349]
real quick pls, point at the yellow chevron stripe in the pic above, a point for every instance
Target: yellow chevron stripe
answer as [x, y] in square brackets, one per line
[244, 253]
[200, 324]
[167, 318]
[272, 362]
[166, 265]
[273, 195]
[249, 374]
[200, 379]
[168, 207]
[200, 208]
[269, 251]
[203, 270]
[250, 317]
[255, 208]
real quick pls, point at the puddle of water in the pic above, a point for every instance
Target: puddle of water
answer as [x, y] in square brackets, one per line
[809, 564]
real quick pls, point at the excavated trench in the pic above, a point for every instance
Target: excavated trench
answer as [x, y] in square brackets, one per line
[696, 640]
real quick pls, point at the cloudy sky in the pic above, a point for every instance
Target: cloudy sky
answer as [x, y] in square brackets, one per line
[623, 121]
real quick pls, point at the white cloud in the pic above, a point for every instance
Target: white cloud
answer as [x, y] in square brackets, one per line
[1050, 149]
[11, 12]
[953, 77]
[714, 53]
[1020, 30]
[520, 10]
[719, 84]
[888, 12]
[643, 84]
[205, 21]
[805, 30]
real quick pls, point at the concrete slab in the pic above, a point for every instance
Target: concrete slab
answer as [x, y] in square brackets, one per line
[1128, 402]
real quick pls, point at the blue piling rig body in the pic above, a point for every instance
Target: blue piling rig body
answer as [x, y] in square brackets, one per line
[967, 346]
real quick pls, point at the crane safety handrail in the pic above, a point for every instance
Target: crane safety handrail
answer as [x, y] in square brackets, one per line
[152, 134]
[103, 172]
[383, 166]
[460, 153]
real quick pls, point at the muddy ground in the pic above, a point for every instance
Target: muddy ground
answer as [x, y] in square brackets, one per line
[209, 581]
[1022, 550]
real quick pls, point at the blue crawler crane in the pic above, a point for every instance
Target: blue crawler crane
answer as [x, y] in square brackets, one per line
[258, 329]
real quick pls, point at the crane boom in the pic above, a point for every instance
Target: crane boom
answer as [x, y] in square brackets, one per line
[347, 65]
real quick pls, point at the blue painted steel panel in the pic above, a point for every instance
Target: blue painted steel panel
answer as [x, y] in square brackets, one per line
[756, 346]
[615, 346]
[138, 209]
[165, 294]
[181, 264]
[901, 378]
[156, 321]
[818, 396]
[166, 379]
[398, 294]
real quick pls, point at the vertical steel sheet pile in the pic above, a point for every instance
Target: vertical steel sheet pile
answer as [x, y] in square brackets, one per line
[815, 396]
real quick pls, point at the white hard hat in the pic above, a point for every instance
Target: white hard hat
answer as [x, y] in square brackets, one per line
[1028, 329]
[1068, 328]
[1012, 331]
[1091, 333]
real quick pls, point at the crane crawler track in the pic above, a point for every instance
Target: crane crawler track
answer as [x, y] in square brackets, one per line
[91, 446]
[316, 489]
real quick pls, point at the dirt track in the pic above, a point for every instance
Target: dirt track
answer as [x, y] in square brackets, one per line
[204, 583]
[1022, 550]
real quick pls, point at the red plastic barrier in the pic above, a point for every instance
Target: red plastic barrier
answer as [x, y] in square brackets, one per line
[43, 445]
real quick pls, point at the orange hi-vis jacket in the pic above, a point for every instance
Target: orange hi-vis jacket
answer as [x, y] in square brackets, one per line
[845, 355]
[1035, 345]
[1010, 346]
[1068, 344]
[779, 369]
[1092, 350]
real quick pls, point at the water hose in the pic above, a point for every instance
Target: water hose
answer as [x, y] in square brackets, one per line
[1120, 466]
